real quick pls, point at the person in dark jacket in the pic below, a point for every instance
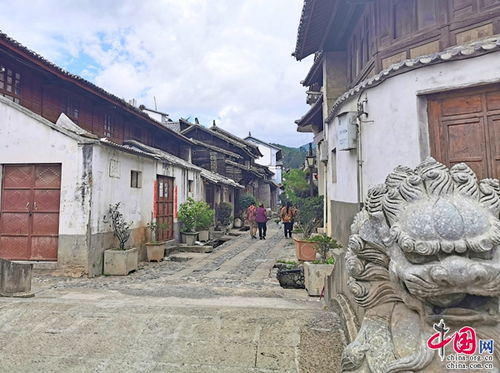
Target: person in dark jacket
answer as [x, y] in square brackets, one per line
[261, 219]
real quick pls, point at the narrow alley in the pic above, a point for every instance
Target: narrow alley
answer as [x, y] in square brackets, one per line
[218, 312]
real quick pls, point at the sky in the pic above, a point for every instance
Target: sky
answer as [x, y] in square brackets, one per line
[223, 60]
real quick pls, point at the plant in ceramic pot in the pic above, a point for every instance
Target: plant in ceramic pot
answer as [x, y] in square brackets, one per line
[316, 271]
[119, 261]
[290, 274]
[310, 217]
[223, 218]
[187, 217]
[204, 219]
[155, 249]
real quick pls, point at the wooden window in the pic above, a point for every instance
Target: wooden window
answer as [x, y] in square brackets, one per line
[10, 84]
[71, 108]
[136, 133]
[403, 20]
[108, 126]
[426, 13]
[135, 179]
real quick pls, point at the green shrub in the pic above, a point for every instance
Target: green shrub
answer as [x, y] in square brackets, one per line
[204, 216]
[223, 213]
[310, 214]
[245, 201]
[187, 215]
[325, 243]
[121, 229]
[154, 227]
[195, 215]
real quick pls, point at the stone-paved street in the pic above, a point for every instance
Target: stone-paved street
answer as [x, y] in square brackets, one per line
[218, 312]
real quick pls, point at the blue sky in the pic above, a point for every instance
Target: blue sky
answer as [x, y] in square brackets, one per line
[213, 59]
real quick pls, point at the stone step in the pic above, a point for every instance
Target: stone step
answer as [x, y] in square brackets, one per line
[189, 249]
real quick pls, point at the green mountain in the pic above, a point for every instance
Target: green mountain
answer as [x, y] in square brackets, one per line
[293, 157]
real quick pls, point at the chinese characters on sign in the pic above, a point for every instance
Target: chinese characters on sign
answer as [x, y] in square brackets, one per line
[465, 346]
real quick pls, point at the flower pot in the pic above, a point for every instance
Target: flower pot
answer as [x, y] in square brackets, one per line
[217, 234]
[314, 277]
[189, 238]
[291, 278]
[237, 223]
[305, 250]
[204, 235]
[120, 262]
[155, 251]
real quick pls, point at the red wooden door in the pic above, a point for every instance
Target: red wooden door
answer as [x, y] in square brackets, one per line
[29, 212]
[165, 207]
[463, 127]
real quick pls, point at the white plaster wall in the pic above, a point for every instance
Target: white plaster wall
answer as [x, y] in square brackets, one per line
[137, 203]
[24, 138]
[395, 131]
[268, 154]
[277, 177]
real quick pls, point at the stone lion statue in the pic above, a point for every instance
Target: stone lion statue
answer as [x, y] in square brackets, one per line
[425, 248]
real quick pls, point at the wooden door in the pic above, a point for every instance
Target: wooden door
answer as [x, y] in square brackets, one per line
[209, 195]
[29, 212]
[463, 127]
[165, 207]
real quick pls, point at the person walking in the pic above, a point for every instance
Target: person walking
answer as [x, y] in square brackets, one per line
[287, 215]
[251, 210]
[261, 219]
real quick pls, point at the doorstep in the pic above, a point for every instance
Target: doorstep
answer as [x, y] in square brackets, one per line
[38, 264]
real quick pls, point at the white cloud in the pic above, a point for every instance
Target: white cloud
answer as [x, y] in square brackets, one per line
[216, 59]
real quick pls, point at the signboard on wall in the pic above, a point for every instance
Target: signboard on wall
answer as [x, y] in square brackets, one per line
[346, 131]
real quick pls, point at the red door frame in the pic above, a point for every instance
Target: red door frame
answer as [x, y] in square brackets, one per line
[164, 208]
[29, 211]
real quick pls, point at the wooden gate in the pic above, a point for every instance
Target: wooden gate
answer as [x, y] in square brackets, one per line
[165, 207]
[29, 212]
[463, 127]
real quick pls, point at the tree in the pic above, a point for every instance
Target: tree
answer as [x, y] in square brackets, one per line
[295, 183]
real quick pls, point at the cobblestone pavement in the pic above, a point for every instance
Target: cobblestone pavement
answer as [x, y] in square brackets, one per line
[218, 312]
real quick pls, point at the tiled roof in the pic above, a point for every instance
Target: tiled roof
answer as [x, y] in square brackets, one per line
[172, 159]
[314, 114]
[220, 136]
[236, 138]
[454, 53]
[36, 58]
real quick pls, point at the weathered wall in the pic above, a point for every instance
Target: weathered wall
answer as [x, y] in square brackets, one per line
[112, 171]
[28, 138]
[340, 219]
[395, 131]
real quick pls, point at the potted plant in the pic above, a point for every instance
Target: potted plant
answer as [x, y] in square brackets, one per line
[119, 261]
[290, 275]
[310, 217]
[155, 249]
[204, 218]
[187, 217]
[223, 218]
[316, 271]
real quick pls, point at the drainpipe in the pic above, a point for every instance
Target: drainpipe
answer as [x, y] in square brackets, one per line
[360, 112]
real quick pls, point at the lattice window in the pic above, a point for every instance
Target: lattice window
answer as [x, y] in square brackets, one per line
[10, 84]
[71, 108]
[108, 126]
[135, 179]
